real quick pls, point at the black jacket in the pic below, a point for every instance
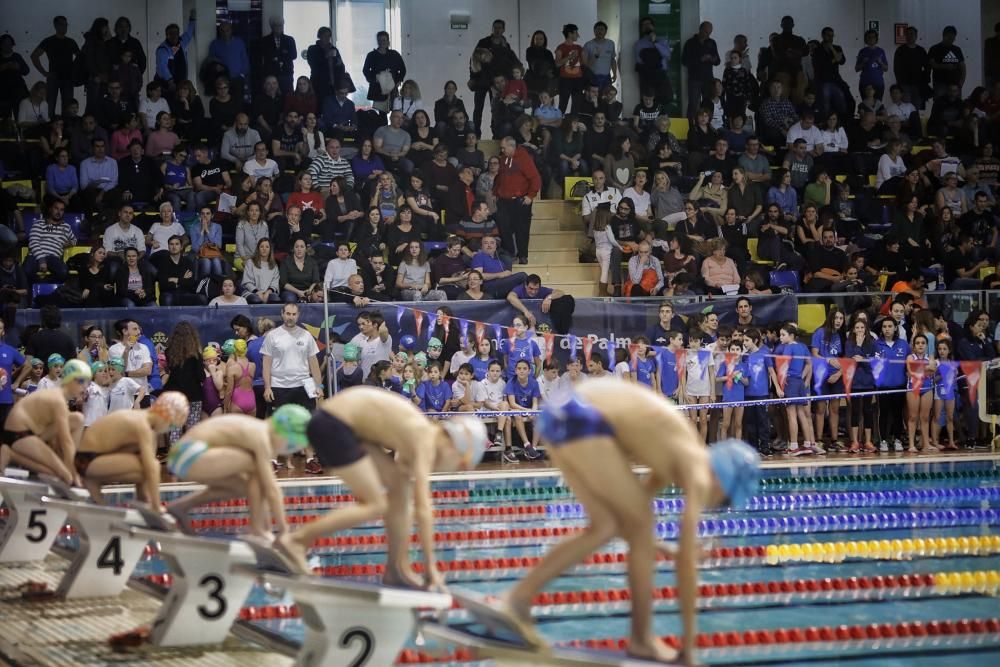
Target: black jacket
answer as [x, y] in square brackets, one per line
[121, 285]
[376, 62]
[272, 60]
[166, 269]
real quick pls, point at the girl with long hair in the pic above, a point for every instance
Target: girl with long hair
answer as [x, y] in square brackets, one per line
[920, 369]
[185, 374]
[828, 344]
[945, 385]
[861, 348]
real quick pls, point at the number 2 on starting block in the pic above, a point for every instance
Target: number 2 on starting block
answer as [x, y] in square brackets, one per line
[31, 526]
[353, 624]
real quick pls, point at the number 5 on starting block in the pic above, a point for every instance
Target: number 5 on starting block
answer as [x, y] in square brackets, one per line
[206, 596]
[31, 526]
[353, 624]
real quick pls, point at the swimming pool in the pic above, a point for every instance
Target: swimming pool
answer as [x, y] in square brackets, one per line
[879, 564]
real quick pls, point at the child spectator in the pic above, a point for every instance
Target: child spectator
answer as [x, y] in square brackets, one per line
[350, 374]
[645, 113]
[493, 399]
[548, 381]
[95, 399]
[408, 382]
[398, 362]
[920, 370]
[758, 389]
[464, 355]
[127, 73]
[483, 359]
[520, 347]
[55, 364]
[860, 347]
[125, 393]
[797, 375]
[643, 370]
[891, 351]
[698, 382]
[467, 395]
[434, 349]
[522, 393]
[667, 378]
[470, 155]
[515, 86]
[434, 393]
[30, 384]
[736, 375]
[622, 369]
[944, 392]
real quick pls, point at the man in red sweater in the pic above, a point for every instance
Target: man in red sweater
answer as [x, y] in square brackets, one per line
[516, 186]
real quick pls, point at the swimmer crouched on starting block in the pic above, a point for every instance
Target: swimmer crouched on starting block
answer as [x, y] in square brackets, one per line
[41, 434]
[121, 447]
[231, 455]
[351, 434]
[594, 435]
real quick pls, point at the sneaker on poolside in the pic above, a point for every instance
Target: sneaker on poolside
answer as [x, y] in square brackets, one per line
[817, 448]
[498, 439]
[510, 457]
[800, 451]
[883, 447]
[313, 466]
[897, 445]
[531, 453]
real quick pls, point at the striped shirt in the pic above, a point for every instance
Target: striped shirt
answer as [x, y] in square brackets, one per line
[49, 239]
[324, 169]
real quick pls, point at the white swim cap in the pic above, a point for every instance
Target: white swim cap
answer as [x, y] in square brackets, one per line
[469, 436]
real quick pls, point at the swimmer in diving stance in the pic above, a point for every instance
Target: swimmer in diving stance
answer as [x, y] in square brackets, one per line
[121, 448]
[41, 434]
[384, 449]
[231, 455]
[594, 435]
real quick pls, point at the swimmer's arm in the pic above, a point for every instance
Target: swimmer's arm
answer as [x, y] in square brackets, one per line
[150, 469]
[269, 486]
[687, 571]
[423, 511]
[538, 366]
[137, 403]
[67, 446]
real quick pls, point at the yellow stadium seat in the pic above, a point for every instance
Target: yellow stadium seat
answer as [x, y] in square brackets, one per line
[25, 183]
[754, 257]
[75, 250]
[489, 147]
[570, 182]
[882, 281]
[840, 178]
[679, 128]
[811, 316]
[871, 180]
[987, 271]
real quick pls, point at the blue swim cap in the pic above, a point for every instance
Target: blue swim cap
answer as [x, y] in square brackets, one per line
[737, 468]
[407, 342]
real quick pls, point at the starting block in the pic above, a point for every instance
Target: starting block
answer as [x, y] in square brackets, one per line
[504, 654]
[31, 526]
[508, 646]
[206, 595]
[349, 623]
[101, 567]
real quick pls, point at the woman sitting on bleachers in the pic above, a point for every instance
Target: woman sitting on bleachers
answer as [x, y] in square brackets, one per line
[134, 282]
[96, 285]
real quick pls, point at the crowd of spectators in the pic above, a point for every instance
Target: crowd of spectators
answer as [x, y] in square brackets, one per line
[251, 187]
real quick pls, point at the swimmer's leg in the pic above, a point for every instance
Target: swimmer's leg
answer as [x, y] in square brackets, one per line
[35, 454]
[398, 521]
[120, 467]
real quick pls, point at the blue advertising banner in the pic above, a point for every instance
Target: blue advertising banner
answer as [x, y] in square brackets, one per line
[598, 320]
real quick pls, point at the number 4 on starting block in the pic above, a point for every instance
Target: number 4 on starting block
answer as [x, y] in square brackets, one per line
[31, 526]
[101, 567]
[353, 624]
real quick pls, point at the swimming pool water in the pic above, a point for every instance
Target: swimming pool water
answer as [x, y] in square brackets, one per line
[800, 518]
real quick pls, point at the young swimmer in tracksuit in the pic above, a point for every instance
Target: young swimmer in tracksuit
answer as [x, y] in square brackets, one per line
[594, 436]
[386, 463]
[667, 378]
[796, 386]
[755, 416]
[644, 370]
[733, 370]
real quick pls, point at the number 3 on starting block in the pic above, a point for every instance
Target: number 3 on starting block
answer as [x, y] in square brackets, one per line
[31, 527]
[353, 624]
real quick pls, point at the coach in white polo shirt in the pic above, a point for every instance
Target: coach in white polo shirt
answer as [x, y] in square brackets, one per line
[291, 370]
[138, 361]
[374, 340]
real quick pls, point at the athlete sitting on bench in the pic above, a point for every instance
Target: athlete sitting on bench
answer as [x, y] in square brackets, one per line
[384, 449]
[121, 447]
[594, 435]
[41, 433]
[231, 455]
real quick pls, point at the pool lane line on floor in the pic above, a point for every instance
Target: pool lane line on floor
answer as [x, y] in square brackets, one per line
[472, 476]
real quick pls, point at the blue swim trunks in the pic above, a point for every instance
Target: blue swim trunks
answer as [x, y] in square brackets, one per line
[182, 456]
[572, 419]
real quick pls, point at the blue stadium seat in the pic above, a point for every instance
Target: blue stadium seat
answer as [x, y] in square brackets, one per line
[42, 289]
[431, 246]
[788, 279]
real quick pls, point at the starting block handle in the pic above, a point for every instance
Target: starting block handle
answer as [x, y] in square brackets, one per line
[207, 594]
[105, 560]
[31, 527]
[354, 624]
